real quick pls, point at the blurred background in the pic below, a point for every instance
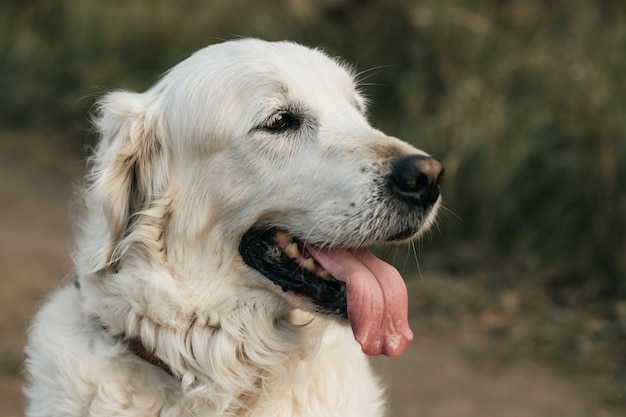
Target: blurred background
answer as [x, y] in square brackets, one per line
[524, 102]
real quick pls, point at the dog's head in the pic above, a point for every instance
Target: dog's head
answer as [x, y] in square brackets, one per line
[252, 165]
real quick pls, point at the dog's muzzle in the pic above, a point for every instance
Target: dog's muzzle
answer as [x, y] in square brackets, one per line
[349, 281]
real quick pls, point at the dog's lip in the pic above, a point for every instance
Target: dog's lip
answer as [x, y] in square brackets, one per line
[260, 248]
[403, 235]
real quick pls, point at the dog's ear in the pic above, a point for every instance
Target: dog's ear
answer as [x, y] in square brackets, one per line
[129, 166]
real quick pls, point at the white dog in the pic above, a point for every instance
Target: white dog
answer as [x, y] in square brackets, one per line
[222, 253]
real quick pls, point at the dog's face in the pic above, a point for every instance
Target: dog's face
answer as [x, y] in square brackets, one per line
[262, 164]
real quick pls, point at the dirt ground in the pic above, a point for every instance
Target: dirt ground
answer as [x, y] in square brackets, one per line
[431, 379]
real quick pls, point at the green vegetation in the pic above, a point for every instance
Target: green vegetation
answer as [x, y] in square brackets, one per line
[523, 100]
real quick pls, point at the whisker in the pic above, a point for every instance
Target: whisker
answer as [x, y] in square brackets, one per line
[308, 235]
[373, 84]
[370, 72]
[436, 226]
[406, 258]
[449, 211]
[395, 254]
[429, 235]
[332, 243]
[417, 262]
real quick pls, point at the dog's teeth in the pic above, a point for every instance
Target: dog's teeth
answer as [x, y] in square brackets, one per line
[308, 264]
[292, 250]
[282, 238]
[322, 273]
[285, 244]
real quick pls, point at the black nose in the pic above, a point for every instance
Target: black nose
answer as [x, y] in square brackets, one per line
[416, 178]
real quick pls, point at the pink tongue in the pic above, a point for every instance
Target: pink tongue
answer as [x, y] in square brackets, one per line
[377, 299]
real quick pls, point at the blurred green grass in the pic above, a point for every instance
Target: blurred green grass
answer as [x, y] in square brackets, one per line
[523, 101]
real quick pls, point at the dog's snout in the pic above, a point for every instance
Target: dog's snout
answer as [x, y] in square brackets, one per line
[417, 177]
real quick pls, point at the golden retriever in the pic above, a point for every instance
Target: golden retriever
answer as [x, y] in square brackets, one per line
[221, 264]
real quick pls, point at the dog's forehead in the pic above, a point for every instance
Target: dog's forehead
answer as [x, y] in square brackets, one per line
[260, 56]
[237, 85]
[283, 67]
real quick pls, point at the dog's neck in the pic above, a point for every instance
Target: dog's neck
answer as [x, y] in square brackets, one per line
[135, 345]
[264, 336]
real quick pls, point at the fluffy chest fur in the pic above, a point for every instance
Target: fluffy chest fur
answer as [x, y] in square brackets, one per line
[91, 373]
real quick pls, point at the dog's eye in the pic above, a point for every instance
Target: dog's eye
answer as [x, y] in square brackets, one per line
[283, 121]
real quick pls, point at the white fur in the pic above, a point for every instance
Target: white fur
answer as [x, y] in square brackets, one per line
[180, 173]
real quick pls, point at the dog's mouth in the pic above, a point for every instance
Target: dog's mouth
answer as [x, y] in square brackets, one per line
[287, 262]
[347, 283]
